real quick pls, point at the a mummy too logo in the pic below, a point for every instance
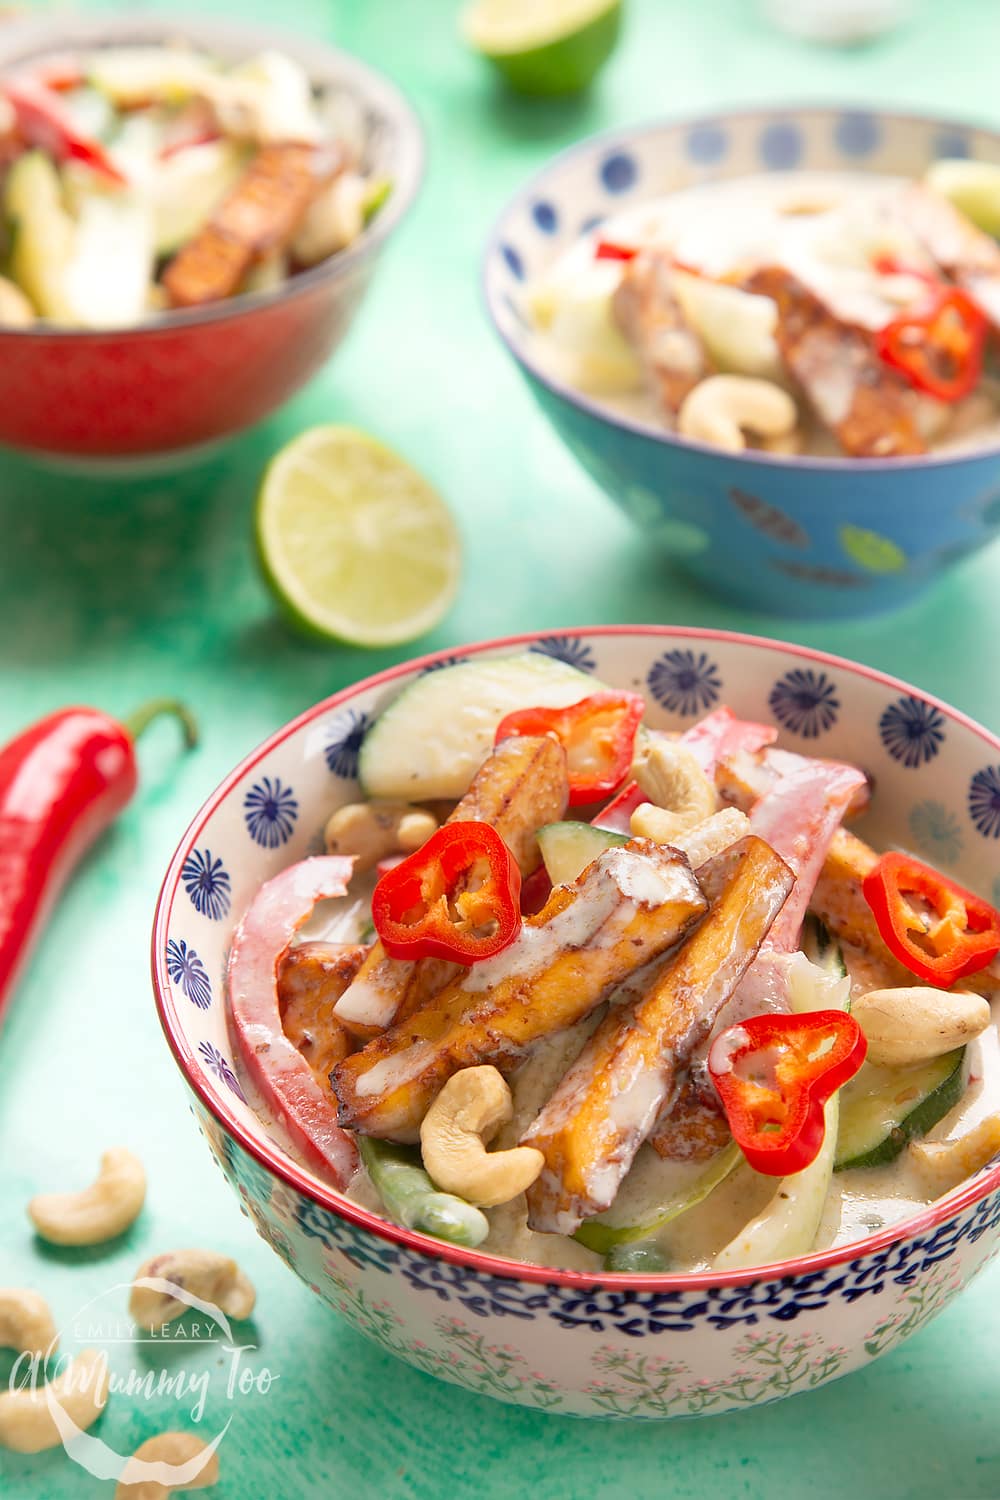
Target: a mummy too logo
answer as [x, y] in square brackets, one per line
[173, 1354]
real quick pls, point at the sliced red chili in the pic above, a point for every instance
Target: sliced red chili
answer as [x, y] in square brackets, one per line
[598, 735]
[457, 897]
[949, 933]
[45, 122]
[938, 345]
[774, 1075]
[611, 250]
[617, 816]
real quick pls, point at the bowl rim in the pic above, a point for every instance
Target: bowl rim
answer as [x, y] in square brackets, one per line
[289, 1172]
[36, 35]
[592, 406]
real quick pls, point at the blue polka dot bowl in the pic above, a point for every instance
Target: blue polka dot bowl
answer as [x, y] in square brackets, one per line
[819, 537]
[585, 1343]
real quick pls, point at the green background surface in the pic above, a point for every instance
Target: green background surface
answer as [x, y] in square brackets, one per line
[112, 591]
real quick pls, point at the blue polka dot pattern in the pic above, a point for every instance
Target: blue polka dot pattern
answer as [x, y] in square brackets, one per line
[707, 144]
[592, 222]
[619, 172]
[950, 143]
[514, 261]
[857, 134]
[780, 145]
[545, 216]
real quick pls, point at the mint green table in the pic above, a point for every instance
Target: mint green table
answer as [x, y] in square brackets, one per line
[112, 592]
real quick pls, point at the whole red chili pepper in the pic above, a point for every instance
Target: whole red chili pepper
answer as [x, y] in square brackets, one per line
[62, 781]
[774, 1074]
[951, 935]
[598, 735]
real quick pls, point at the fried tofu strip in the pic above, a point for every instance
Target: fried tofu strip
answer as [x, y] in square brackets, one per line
[519, 788]
[870, 409]
[651, 318]
[963, 252]
[311, 979]
[609, 1100]
[695, 1129]
[741, 778]
[259, 216]
[627, 907]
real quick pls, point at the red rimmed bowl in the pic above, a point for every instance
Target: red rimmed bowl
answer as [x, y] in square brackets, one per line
[182, 380]
[573, 1342]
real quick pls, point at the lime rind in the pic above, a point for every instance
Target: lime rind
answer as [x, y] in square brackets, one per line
[545, 49]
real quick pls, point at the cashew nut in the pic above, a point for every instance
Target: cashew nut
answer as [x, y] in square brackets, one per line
[705, 840]
[334, 219]
[26, 1322]
[913, 1025]
[372, 830]
[204, 1274]
[26, 1421]
[15, 309]
[721, 408]
[467, 1113]
[165, 1463]
[680, 794]
[944, 1164]
[97, 1213]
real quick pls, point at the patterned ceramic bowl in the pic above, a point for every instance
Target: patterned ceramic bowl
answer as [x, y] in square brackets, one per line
[803, 536]
[610, 1345]
[188, 378]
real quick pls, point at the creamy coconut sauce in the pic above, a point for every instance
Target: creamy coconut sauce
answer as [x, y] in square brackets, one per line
[825, 227]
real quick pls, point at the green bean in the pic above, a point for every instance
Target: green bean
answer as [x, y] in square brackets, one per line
[410, 1196]
[645, 1256]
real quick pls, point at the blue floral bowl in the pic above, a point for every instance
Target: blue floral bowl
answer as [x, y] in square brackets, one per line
[566, 1341]
[794, 536]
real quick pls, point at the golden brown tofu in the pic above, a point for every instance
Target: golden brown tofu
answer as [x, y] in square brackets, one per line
[743, 777]
[259, 217]
[694, 1129]
[610, 1099]
[869, 407]
[519, 788]
[651, 318]
[627, 907]
[311, 979]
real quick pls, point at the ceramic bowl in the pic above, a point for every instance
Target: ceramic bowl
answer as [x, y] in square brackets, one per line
[185, 379]
[799, 536]
[594, 1345]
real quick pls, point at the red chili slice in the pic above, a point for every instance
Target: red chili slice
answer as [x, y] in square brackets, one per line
[610, 250]
[939, 344]
[45, 122]
[956, 933]
[598, 735]
[774, 1074]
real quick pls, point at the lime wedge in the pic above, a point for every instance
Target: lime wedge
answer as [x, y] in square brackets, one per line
[354, 543]
[544, 47]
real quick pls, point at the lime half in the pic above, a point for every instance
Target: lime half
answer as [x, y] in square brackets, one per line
[354, 543]
[544, 46]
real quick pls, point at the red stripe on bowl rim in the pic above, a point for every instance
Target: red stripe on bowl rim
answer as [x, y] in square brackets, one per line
[268, 1155]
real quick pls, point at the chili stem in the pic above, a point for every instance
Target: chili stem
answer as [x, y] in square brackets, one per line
[138, 722]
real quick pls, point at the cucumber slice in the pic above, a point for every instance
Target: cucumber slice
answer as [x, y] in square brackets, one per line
[605, 1238]
[133, 76]
[568, 848]
[188, 186]
[44, 235]
[822, 949]
[972, 186]
[883, 1108]
[432, 740]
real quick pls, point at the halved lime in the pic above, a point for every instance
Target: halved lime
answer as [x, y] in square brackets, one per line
[544, 46]
[354, 543]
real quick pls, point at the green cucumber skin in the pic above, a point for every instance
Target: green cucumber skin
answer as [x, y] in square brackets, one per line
[568, 848]
[924, 1115]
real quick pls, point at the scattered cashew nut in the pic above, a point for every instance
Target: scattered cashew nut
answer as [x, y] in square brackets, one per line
[97, 1213]
[26, 1421]
[944, 1164]
[467, 1113]
[373, 830]
[913, 1025]
[26, 1322]
[680, 794]
[173, 1458]
[205, 1274]
[705, 840]
[721, 408]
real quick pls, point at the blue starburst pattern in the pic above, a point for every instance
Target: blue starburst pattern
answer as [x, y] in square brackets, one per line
[186, 969]
[446, 661]
[207, 883]
[912, 731]
[805, 702]
[685, 682]
[984, 801]
[269, 810]
[567, 648]
[221, 1067]
[343, 743]
[936, 831]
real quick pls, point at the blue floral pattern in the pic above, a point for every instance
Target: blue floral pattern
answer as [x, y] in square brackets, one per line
[984, 801]
[912, 731]
[270, 809]
[567, 648]
[805, 702]
[936, 830]
[221, 1067]
[446, 661]
[343, 743]
[207, 883]
[685, 682]
[186, 969]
